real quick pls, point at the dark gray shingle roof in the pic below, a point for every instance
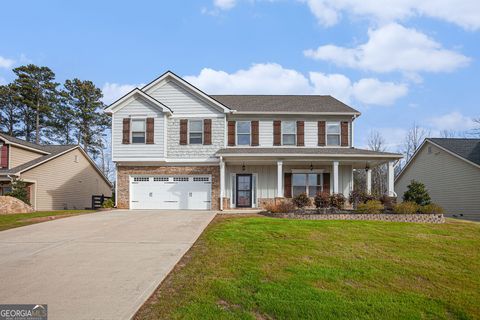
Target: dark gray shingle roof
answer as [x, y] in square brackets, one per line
[466, 148]
[22, 142]
[307, 151]
[283, 103]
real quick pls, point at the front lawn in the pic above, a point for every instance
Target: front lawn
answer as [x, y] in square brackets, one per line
[267, 268]
[8, 221]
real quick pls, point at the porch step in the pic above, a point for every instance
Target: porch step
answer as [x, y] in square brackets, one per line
[240, 211]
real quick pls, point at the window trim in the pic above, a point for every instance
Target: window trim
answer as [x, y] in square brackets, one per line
[307, 185]
[339, 134]
[144, 131]
[237, 133]
[294, 129]
[201, 131]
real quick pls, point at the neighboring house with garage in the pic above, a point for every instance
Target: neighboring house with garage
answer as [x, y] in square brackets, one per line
[57, 176]
[450, 170]
[176, 147]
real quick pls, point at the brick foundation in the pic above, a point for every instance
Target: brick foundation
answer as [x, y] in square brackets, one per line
[124, 172]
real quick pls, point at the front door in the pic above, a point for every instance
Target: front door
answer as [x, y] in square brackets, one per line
[244, 190]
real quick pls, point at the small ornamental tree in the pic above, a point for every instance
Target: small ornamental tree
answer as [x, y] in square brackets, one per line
[301, 201]
[417, 193]
[19, 191]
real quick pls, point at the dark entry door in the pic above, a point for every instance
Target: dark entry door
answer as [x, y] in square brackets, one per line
[244, 190]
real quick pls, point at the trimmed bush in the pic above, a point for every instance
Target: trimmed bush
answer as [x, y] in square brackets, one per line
[108, 203]
[416, 192]
[337, 200]
[301, 201]
[284, 206]
[322, 200]
[406, 207]
[19, 191]
[371, 206]
[357, 197]
[431, 208]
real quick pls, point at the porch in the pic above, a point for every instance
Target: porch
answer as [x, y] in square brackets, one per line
[251, 180]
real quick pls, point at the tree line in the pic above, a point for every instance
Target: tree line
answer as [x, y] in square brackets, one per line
[38, 109]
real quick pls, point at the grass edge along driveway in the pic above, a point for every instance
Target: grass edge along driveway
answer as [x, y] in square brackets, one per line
[9, 221]
[267, 268]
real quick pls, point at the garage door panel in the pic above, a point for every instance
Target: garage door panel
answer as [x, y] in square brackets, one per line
[173, 192]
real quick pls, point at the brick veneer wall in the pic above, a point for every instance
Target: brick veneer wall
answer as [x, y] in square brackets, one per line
[123, 173]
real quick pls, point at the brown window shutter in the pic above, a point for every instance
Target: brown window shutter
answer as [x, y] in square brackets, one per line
[321, 133]
[277, 132]
[326, 182]
[231, 133]
[255, 137]
[207, 131]
[287, 185]
[4, 156]
[126, 131]
[150, 130]
[183, 131]
[344, 133]
[300, 133]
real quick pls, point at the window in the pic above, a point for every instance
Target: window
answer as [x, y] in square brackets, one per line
[309, 183]
[140, 179]
[195, 128]
[288, 133]
[333, 133]
[243, 133]
[138, 130]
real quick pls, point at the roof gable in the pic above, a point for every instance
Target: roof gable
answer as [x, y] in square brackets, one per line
[170, 76]
[123, 101]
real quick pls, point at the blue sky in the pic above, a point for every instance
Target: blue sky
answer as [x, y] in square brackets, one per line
[396, 63]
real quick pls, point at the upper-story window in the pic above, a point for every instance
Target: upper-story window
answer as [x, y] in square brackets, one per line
[195, 131]
[333, 133]
[289, 133]
[138, 130]
[243, 133]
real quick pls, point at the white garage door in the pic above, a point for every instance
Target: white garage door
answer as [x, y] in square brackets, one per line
[170, 192]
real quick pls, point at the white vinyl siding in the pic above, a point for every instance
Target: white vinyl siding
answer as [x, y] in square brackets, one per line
[451, 182]
[20, 156]
[138, 108]
[182, 102]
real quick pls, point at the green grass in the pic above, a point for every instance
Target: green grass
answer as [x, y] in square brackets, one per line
[267, 268]
[9, 221]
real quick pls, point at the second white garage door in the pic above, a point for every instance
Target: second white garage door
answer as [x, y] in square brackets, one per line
[170, 192]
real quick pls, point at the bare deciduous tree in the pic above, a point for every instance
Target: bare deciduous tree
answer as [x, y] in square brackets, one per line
[448, 134]
[376, 142]
[413, 139]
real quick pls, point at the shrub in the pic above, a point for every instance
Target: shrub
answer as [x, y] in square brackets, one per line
[431, 208]
[357, 197]
[284, 206]
[406, 207]
[417, 193]
[371, 206]
[19, 191]
[322, 200]
[302, 201]
[108, 203]
[388, 202]
[337, 200]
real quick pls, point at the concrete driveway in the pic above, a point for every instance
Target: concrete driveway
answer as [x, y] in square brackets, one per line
[95, 266]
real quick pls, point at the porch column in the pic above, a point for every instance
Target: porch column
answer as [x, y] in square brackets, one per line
[335, 177]
[279, 179]
[391, 178]
[369, 181]
[222, 182]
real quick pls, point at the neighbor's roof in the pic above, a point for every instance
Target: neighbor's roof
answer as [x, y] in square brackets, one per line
[468, 149]
[21, 142]
[306, 151]
[284, 103]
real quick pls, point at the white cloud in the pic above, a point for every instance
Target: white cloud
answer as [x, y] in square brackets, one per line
[224, 4]
[465, 13]
[272, 78]
[6, 63]
[393, 48]
[3, 81]
[113, 91]
[452, 121]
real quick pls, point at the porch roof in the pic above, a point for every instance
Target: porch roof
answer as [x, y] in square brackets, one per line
[326, 152]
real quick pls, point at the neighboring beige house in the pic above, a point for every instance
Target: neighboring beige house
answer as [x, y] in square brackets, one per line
[176, 147]
[450, 170]
[58, 176]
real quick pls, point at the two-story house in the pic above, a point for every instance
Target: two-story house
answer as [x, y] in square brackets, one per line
[176, 147]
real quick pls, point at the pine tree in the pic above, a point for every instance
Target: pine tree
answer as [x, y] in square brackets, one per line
[61, 123]
[9, 111]
[36, 93]
[416, 192]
